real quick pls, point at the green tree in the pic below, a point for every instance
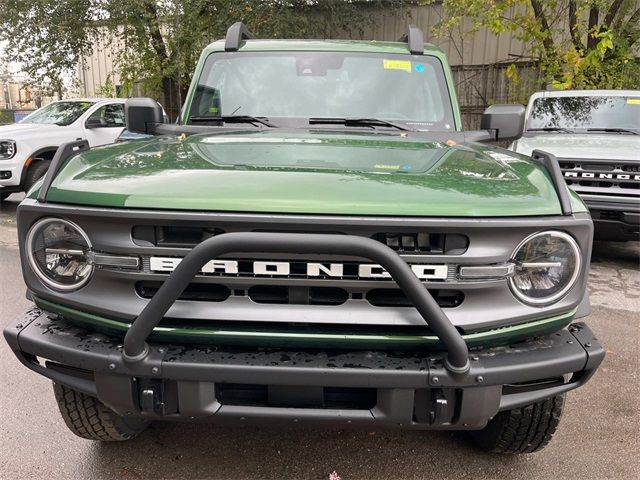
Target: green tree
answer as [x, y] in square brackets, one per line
[46, 37]
[577, 43]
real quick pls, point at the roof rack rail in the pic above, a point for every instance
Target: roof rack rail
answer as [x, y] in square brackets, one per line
[550, 162]
[415, 40]
[235, 35]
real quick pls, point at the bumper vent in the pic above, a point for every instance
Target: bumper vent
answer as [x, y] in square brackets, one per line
[256, 395]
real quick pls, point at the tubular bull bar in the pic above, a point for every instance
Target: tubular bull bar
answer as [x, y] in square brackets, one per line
[443, 389]
[136, 349]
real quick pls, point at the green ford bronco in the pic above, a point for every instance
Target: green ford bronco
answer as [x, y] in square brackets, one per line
[315, 240]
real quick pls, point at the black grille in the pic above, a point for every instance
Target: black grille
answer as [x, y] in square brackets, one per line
[172, 236]
[204, 292]
[423, 242]
[602, 177]
[298, 295]
[403, 242]
[283, 295]
[393, 297]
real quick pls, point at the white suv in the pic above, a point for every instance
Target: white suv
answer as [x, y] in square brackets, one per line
[595, 135]
[26, 148]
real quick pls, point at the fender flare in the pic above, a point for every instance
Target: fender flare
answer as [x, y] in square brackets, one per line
[44, 149]
[40, 150]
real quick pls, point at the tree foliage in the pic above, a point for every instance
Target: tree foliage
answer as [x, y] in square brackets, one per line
[161, 39]
[45, 37]
[577, 43]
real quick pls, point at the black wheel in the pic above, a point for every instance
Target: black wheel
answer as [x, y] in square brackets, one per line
[4, 196]
[35, 172]
[89, 418]
[521, 430]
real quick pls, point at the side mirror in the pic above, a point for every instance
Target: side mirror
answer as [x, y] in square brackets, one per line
[141, 113]
[95, 122]
[506, 122]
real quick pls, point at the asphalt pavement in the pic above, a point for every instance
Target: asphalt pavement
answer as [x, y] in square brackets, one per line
[597, 438]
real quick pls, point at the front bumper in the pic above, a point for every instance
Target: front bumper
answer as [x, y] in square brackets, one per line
[617, 221]
[226, 384]
[11, 177]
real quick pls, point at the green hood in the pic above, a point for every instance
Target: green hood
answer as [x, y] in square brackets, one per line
[316, 172]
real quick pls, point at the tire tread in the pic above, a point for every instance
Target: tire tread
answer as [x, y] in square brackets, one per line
[526, 429]
[89, 418]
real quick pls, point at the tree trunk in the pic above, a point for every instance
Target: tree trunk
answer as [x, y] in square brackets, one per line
[170, 97]
[538, 11]
[594, 15]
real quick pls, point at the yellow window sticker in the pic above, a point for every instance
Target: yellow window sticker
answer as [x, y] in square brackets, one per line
[397, 65]
[383, 166]
[633, 101]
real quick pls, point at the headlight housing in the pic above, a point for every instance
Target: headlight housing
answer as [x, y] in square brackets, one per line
[59, 253]
[547, 266]
[7, 149]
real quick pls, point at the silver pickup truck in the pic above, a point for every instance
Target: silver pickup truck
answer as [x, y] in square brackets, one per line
[595, 135]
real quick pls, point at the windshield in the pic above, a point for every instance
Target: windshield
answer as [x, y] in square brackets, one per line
[587, 112]
[410, 90]
[58, 113]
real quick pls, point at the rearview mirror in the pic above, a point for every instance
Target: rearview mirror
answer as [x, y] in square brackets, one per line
[141, 113]
[506, 122]
[95, 122]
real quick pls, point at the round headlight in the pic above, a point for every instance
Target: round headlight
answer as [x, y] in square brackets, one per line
[547, 266]
[59, 252]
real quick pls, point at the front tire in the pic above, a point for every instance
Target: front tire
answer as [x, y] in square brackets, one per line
[35, 172]
[521, 430]
[89, 418]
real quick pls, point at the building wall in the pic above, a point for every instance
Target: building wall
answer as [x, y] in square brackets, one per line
[15, 94]
[98, 69]
[480, 48]
[461, 47]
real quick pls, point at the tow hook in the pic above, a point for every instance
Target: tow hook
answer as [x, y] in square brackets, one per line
[151, 400]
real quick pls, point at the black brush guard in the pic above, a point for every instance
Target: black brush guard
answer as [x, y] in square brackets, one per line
[135, 346]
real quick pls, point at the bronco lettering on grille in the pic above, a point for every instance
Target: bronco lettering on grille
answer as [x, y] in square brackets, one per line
[308, 269]
[602, 176]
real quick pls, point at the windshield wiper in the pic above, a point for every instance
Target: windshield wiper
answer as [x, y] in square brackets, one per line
[356, 122]
[550, 129]
[614, 130]
[232, 119]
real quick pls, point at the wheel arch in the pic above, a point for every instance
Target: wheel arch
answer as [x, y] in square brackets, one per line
[39, 155]
[45, 150]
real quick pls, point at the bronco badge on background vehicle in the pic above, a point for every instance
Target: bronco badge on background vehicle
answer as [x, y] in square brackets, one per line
[316, 240]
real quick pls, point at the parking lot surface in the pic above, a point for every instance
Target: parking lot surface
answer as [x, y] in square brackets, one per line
[597, 437]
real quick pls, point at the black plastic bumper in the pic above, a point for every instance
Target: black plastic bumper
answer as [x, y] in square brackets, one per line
[391, 389]
[615, 221]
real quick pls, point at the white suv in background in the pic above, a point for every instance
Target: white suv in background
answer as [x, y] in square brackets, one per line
[595, 135]
[26, 148]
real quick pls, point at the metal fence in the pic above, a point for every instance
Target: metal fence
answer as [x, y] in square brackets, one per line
[482, 85]
[13, 116]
